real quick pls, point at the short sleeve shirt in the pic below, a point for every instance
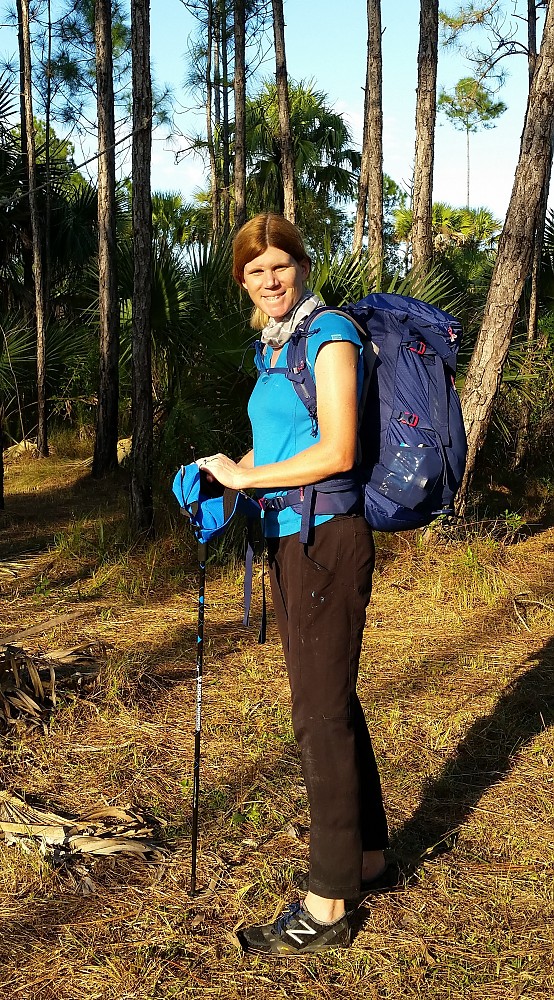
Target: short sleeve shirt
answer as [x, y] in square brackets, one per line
[281, 424]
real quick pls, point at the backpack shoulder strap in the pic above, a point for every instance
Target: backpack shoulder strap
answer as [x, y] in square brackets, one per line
[298, 372]
[297, 367]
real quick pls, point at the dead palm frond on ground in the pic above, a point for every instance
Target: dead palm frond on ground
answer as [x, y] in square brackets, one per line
[458, 684]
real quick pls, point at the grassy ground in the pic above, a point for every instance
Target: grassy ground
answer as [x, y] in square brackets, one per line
[458, 684]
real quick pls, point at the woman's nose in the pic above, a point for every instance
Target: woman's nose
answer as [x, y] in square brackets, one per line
[270, 277]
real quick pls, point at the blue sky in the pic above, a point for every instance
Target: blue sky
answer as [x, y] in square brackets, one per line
[326, 44]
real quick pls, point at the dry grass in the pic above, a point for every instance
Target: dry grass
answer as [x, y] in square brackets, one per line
[458, 683]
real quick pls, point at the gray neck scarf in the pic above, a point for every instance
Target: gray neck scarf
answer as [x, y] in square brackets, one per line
[278, 332]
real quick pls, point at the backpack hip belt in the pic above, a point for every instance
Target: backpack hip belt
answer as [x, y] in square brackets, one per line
[331, 496]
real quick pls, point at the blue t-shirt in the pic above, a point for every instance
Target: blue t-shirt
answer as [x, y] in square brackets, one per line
[281, 424]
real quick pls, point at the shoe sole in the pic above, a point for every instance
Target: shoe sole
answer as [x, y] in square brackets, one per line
[295, 954]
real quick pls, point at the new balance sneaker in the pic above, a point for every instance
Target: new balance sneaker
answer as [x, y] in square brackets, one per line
[295, 932]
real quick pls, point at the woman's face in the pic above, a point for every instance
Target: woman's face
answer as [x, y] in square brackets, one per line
[275, 281]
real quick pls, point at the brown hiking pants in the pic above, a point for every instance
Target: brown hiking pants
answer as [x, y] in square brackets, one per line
[320, 595]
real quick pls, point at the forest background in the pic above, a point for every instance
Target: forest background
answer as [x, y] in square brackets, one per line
[291, 148]
[122, 355]
[334, 56]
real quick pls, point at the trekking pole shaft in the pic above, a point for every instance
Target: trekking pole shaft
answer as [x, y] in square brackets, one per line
[197, 731]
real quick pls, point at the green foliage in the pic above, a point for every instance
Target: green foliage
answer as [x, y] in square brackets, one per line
[209, 381]
[487, 34]
[470, 16]
[72, 68]
[471, 106]
[529, 379]
[452, 227]
[325, 162]
[176, 223]
[464, 241]
[62, 150]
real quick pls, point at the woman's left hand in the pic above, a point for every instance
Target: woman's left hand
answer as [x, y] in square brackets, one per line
[222, 468]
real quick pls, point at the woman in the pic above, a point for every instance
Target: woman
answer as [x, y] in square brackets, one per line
[320, 590]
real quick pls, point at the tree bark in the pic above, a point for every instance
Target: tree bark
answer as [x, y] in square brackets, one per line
[370, 186]
[534, 298]
[142, 455]
[363, 179]
[522, 437]
[514, 258]
[426, 112]
[36, 230]
[48, 190]
[27, 240]
[240, 115]
[225, 138]
[287, 155]
[531, 38]
[214, 179]
[105, 448]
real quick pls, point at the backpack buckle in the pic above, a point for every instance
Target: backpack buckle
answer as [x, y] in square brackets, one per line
[419, 348]
[272, 503]
[410, 419]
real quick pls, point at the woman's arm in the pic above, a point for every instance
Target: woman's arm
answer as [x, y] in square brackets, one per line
[247, 461]
[337, 409]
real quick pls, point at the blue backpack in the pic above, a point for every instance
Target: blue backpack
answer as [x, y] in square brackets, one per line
[412, 441]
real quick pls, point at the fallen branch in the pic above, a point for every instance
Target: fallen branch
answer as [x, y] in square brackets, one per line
[15, 637]
[102, 830]
[28, 683]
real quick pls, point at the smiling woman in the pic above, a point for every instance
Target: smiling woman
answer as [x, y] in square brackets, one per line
[320, 588]
[268, 249]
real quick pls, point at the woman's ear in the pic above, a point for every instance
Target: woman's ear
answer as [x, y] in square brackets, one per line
[305, 267]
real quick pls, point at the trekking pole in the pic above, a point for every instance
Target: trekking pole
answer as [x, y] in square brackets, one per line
[202, 554]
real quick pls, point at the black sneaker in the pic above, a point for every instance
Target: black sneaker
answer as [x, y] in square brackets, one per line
[390, 879]
[295, 932]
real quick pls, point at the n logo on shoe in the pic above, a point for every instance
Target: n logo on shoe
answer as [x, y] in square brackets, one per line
[297, 934]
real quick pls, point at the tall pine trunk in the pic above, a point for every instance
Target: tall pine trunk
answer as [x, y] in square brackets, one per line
[27, 241]
[225, 135]
[286, 147]
[514, 257]
[142, 508]
[240, 115]
[48, 190]
[370, 187]
[105, 448]
[522, 438]
[426, 112]
[36, 231]
[214, 177]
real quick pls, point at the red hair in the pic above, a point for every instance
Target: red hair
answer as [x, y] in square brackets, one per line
[266, 230]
